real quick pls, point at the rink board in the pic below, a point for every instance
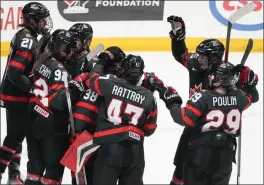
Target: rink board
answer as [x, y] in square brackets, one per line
[157, 44]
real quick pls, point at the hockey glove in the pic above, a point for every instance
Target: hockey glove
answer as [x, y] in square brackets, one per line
[77, 84]
[247, 76]
[152, 82]
[169, 95]
[178, 27]
[113, 53]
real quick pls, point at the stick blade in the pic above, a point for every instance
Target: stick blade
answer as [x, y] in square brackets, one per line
[242, 12]
[247, 51]
[98, 49]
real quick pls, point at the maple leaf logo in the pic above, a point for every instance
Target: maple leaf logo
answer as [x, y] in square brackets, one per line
[195, 89]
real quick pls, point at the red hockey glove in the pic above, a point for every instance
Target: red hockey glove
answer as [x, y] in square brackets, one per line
[247, 76]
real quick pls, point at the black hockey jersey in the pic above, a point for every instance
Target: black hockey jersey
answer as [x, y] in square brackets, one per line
[14, 91]
[198, 79]
[128, 112]
[209, 111]
[49, 100]
[79, 64]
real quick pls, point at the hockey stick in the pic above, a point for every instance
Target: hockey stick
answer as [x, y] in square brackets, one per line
[81, 176]
[98, 49]
[243, 61]
[232, 19]
[247, 52]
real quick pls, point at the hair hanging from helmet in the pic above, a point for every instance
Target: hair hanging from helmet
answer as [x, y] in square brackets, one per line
[42, 59]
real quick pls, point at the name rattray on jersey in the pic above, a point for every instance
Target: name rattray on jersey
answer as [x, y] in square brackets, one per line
[209, 111]
[128, 112]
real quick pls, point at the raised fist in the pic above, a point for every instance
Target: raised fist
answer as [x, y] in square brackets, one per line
[177, 27]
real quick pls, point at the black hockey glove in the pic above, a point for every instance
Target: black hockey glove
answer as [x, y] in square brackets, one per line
[169, 95]
[177, 27]
[152, 82]
[77, 86]
[113, 53]
[110, 56]
[247, 76]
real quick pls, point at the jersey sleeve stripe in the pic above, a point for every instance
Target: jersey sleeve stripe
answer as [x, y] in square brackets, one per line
[153, 113]
[119, 130]
[194, 110]
[24, 54]
[186, 119]
[87, 106]
[56, 86]
[84, 118]
[150, 126]
[185, 58]
[96, 86]
[14, 98]
[17, 65]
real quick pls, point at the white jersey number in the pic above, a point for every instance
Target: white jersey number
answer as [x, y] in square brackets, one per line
[217, 118]
[41, 91]
[114, 111]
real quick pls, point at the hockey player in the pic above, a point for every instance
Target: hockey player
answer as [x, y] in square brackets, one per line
[83, 33]
[87, 107]
[208, 53]
[48, 133]
[128, 113]
[216, 117]
[14, 92]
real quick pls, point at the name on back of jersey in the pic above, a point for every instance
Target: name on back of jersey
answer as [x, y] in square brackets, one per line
[45, 71]
[220, 101]
[128, 94]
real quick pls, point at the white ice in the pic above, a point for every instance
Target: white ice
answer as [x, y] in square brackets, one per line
[160, 147]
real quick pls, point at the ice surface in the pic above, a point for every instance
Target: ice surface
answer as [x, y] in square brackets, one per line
[160, 148]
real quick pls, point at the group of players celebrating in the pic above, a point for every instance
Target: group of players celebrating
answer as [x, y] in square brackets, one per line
[113, 101]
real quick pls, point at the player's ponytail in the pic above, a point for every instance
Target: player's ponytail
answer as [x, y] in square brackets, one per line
[42, 58]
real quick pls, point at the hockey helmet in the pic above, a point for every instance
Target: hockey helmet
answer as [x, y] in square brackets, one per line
[221, 76]
[62, 40]
[132, 68]
[37, 16]
[210, 52]
[84, 32]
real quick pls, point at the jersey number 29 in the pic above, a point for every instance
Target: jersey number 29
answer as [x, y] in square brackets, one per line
[114, 112]
[217, 118]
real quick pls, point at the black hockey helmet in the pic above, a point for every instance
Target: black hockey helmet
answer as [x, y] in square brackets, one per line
[33, 13]
[132, 68]
[213, 49]
[220, 75]
[62, 40]
[84, 32]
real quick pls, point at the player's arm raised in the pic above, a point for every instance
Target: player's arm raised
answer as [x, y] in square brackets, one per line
[21, 57]
[178, 45]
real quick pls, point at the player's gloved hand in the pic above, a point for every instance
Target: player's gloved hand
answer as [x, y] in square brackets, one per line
[169, 95]
[78, 83]
[178, 27]
[247, 76]
[113, 53]
[152, 82]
